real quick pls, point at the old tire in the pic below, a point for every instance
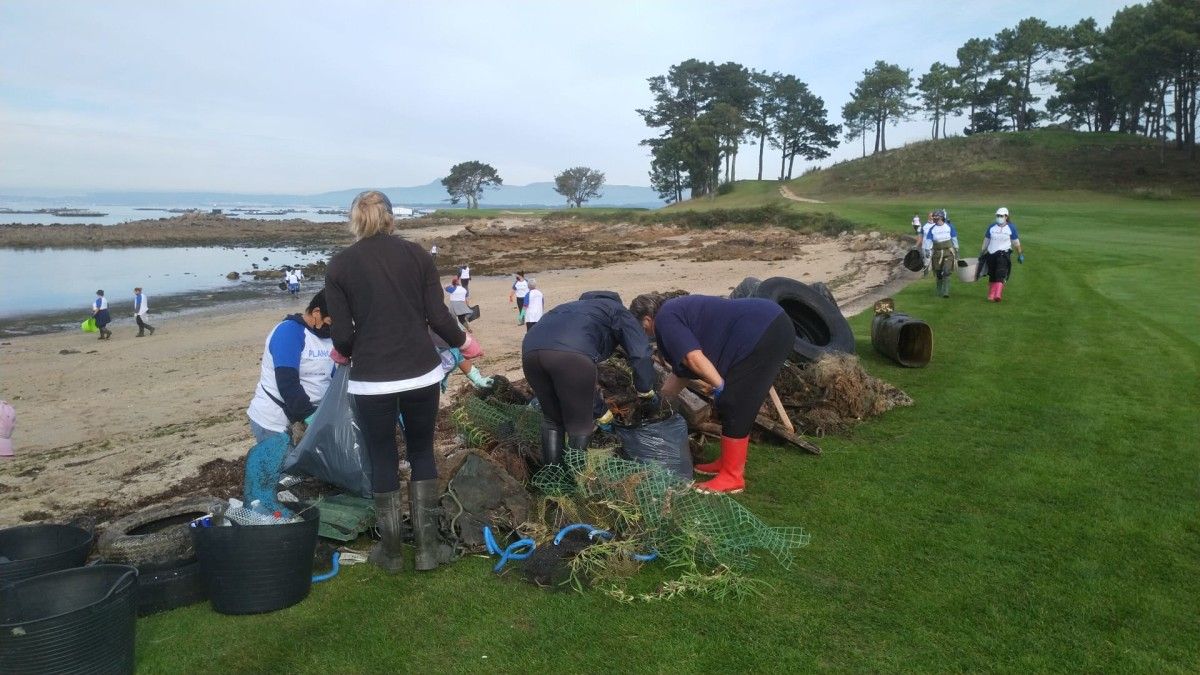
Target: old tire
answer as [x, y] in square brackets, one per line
[821, 288]
[155, 538]
[745, 289]
[167, 589]
[820, 326]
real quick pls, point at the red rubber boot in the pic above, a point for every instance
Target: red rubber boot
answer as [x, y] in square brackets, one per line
[714, 467]
[999, 291]
[731, 478]
[993, 291]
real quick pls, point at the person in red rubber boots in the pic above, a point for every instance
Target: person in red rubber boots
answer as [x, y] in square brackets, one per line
[998, 244]
[737, 347]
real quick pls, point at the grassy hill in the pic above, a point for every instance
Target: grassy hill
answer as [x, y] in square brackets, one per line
[1045, 159]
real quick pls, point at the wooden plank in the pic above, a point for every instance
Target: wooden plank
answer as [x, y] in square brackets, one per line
[778, 429]
[783, 416]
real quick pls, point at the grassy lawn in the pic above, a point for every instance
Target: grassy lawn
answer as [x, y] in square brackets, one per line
[1035, 510]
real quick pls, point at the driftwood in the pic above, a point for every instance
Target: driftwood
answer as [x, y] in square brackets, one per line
[779, 410]
[778, 429]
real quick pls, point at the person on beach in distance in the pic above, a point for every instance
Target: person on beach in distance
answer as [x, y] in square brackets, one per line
[433, 251]
[737, 348]
[100, 313]
[559, 357]
[464, 275]
[535, 304]
[520, 289]
[384, 296]
[458, 302]
[295, 373]
[998, 244]
[141, 310]
[292, 277]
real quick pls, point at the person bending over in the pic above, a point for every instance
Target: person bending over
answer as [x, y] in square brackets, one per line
[559, 357]
[737, 348]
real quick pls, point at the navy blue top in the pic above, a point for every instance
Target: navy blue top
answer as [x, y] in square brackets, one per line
[594, 325]
[725, 330]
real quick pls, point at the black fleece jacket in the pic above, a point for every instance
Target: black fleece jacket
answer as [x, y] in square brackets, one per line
[384, 296]
[594, 325]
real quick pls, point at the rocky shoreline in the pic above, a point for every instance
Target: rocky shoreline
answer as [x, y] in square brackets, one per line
[184, 230]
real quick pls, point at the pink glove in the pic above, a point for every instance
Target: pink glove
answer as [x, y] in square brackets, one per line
[338, 358]
[8, 421]
[471, 349]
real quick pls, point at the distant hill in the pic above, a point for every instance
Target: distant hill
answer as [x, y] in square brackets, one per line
[1045, 159]
[430, 195]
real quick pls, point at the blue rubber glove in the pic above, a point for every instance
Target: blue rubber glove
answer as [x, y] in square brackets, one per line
[308, 420]
[1021, 258]
[717, 391]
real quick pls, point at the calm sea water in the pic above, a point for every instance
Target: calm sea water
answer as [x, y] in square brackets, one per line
[123, 214]
[43, 281]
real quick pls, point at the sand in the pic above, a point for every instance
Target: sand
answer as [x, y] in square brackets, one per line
[124, 419]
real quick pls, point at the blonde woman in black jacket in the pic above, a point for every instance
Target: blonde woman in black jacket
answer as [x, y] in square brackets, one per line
[384, 292]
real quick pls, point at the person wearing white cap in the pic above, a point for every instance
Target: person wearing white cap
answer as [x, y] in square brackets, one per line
[998, 244]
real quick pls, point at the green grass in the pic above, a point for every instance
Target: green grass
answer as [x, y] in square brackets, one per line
[1035, 510]
[1049, 159]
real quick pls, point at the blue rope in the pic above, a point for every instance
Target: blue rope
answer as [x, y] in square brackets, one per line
[518, 550]
[332, 572]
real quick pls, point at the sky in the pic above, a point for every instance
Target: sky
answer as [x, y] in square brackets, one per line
[309, 96]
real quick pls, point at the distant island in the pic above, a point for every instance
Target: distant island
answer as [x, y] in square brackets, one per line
[63, 212]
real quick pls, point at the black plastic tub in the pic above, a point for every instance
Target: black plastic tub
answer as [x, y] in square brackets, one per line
[903, 339]
[250, 569]
[80, 620]
[32, 550]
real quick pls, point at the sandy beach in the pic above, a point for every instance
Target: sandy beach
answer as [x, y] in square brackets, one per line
[119, 421]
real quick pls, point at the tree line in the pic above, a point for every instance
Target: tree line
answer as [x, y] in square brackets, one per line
[1139, 76]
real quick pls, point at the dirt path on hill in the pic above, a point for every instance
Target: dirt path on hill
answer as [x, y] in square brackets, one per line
[788, 194]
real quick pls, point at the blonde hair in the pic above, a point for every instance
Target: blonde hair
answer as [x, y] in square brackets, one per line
[371, 214]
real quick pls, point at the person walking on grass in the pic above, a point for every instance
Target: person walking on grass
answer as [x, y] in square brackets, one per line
[535, 304]
[941, 250]
[998, 244]
[464, 276]
[520, 290]
[458, 302]
[384, 297]
[141, 310]
[100, 313]
[737, 347]
[916, 223]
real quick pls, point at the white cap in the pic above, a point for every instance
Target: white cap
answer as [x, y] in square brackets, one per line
[1002, 211]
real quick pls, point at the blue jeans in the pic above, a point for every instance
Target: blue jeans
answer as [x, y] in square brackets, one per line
[261, 434]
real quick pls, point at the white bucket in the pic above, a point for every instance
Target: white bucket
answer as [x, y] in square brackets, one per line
[966, 273]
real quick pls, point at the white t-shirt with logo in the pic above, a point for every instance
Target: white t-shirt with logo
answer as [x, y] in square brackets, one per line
[521, 288]
[290, 345]
[1000, 237]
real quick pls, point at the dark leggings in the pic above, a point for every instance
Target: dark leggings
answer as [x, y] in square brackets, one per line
[565, 385]
[376, 414]
[749, 380]
[999, 265]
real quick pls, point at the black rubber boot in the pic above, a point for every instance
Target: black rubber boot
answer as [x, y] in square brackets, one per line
[579, 442]
[552, 444]
[431, 550]
[387, 554]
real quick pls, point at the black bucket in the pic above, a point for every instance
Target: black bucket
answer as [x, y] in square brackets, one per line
[903, 339]
[80, 620]
[32, 550]
[250, 569]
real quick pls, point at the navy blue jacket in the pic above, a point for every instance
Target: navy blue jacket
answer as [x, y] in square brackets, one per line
[594, 325]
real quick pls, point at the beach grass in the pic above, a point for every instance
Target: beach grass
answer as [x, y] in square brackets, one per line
[1035, 510]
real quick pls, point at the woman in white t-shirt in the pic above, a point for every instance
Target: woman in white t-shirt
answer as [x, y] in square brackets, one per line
[458, 302]
[535, 304]
[999, 242]
[520, 289]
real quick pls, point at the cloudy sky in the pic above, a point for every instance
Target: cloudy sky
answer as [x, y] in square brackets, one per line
[310, 96]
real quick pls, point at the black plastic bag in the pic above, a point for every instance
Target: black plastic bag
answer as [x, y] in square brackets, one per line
[664, 443]
[332, 449]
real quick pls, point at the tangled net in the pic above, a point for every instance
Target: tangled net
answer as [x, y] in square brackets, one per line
[651, 509]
